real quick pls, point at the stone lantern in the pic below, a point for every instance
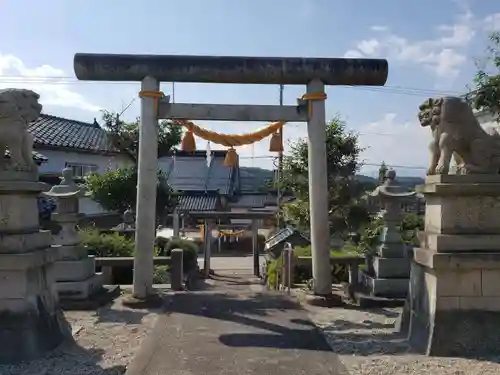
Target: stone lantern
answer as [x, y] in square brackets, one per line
[389, 267]
[75, 271]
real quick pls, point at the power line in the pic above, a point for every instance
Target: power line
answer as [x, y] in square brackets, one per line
[66, 80]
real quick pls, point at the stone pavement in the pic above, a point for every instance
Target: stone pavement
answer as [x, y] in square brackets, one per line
[232, 325]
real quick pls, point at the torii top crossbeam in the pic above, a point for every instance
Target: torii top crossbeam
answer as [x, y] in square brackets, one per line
[231, 69]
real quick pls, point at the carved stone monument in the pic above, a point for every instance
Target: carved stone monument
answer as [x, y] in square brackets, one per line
[390, 269]
[75, 271]
[31, 321]
[454, 301]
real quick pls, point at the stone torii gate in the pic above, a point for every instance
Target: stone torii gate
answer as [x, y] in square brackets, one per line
[150, 70]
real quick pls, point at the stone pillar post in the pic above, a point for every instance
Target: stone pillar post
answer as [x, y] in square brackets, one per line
[207, 243]
[176, 224]
[146, 193]
[255, 247]
[31, 322]
[318, 193]
[454, 299]
[75, 271]
[391, 264]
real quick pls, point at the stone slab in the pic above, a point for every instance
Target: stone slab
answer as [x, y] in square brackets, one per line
[388, 268]
[74, 270]
[13, 212]
[458, 261]
[473, 215]
[25, 242]
[23, 261]
[78, 290]
[460, 242]
[463, 179]
[390, 288]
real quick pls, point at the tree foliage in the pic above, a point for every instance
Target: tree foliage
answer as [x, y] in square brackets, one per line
[116, 190]
[125, 135]
[345, 214]
[486, 93]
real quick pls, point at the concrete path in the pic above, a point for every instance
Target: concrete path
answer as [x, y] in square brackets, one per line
[224, 264]
[233, 326]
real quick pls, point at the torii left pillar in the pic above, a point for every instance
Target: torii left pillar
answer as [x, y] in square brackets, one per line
[146, 192]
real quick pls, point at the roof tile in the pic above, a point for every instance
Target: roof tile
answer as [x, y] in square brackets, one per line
[197, 203]
[54, 131]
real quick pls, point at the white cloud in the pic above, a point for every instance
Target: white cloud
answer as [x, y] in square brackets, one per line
[45, 80]
[353, 54]
[396, 143]
[443, 55]
[492, 22]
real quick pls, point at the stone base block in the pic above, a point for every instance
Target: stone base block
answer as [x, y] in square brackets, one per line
[74, 270]
[78, 290]
[71, 252]
[387, 268]
[453, 306]
[389, 288]
[32, 333]
[393, 250]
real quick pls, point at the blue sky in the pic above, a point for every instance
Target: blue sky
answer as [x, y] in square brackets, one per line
[430, 46]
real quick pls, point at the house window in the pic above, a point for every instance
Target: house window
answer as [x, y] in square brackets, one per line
[81, 170]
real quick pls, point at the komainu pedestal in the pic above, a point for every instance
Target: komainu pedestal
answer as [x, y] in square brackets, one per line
[454, 301]
[31, 322]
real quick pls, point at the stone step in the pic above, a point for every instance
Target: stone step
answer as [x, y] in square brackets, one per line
[389, 288]
[79, 289]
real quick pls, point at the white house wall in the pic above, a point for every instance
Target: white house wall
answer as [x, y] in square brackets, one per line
[57, 161]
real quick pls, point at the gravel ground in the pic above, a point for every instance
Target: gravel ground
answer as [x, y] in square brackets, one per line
[106, 341]
[368, 343]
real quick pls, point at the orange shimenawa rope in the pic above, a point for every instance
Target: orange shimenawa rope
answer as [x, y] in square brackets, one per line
[232, 140]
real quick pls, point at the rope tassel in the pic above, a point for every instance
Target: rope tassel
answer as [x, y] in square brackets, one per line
[188, 142]
[276, 142]
[231, 158]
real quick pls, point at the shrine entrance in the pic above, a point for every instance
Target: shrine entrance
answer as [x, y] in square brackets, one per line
[210, 223]
[314, 73]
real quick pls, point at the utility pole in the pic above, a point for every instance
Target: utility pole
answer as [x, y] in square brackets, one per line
[280, 168]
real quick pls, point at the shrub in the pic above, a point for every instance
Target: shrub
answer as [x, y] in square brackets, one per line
[303, 274]
[161, 275]
[190, 252]
[107, 245]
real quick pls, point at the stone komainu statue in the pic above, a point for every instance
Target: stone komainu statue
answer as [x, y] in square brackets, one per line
[18, 108]
[456, 132]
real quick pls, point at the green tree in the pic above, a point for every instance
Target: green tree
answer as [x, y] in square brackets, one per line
[117, 191]
[486, 93]
[345, 212]
[125, 135]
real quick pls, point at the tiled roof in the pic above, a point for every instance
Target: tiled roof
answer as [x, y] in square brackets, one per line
[189, 172]
[251, 201]
[52, 131]
[197, 203]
